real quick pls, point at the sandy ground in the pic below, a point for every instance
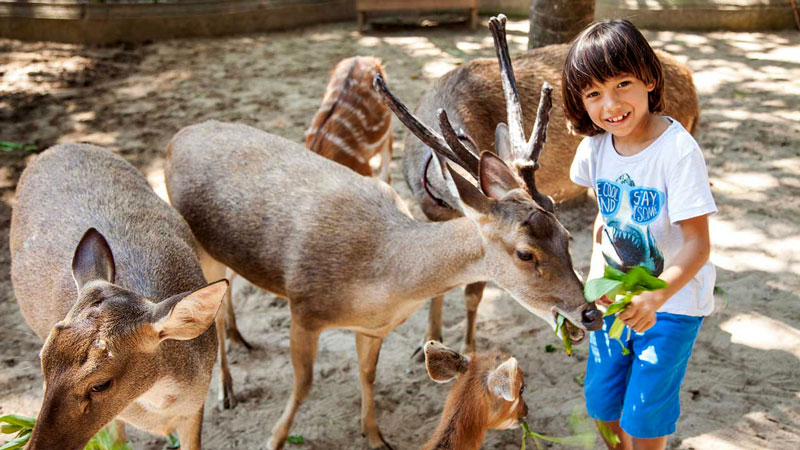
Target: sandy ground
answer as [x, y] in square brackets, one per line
[742, 390]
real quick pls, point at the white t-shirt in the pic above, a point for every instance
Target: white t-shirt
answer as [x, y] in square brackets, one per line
[641, 199]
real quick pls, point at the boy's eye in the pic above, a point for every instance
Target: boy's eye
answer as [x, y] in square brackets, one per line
[592, 94]
[624, 83]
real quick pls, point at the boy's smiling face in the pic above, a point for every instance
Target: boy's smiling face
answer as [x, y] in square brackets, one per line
[619, 105]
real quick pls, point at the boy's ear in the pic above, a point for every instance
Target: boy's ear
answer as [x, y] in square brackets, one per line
[501, 381]
[442, 363]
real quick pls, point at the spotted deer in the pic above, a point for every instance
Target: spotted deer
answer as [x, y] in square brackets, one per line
[345, 251]
[353, 125]
[106, 273]
[479, 97]
[487, 395]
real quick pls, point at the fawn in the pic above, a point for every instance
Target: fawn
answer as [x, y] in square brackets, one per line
[478, 97]
[106, 272]
[353, 125]
[487, 395]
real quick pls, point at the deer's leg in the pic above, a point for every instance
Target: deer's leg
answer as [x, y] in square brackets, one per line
[190, 431]
[473, 294]
[225, 397]
[369, 349]
[303, 346]
[386, 160]
[434, 332]
[231, 329]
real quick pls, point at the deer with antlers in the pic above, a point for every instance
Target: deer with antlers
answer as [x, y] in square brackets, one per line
[479, 98]
[345, 251]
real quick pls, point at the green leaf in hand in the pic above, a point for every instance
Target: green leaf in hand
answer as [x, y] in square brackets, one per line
[599, 287]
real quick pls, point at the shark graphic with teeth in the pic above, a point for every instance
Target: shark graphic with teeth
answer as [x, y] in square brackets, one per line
[627, 211]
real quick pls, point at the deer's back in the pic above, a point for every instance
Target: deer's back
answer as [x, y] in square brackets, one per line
[281, 216]
[71, 188]
[473, 97]
[352, 124]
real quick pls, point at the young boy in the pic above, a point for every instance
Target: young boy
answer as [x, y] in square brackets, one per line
[654, 198]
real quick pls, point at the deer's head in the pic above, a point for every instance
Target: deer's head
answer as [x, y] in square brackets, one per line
[526, 248]
[489, 386]
[105, 353]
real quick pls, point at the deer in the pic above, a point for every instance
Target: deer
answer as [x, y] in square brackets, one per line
[480, 97]
[107, 274]
[346, 253]
[487, 395]
[352, 125]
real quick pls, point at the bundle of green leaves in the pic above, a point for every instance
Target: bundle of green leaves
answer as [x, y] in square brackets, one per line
[22, 427]
[620, 288]
[583, 434]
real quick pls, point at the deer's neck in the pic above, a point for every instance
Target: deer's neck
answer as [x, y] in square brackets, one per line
[462, 426]
[428, 259]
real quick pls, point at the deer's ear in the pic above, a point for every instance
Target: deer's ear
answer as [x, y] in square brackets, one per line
[502, 142]
[470, 196]
[92, 260]
[187, 316]
[443, 364]
[503, 379]
[496, 178]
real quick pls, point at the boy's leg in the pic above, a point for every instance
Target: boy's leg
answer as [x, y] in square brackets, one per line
[652, 401]
[606, 380]
[659, 443]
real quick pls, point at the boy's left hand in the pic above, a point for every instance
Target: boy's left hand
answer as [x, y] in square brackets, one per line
[641, 311]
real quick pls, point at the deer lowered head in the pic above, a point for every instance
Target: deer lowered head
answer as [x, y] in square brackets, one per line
[106, 353]
[526, 247]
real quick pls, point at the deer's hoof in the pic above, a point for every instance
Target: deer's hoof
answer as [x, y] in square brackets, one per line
[378, 442]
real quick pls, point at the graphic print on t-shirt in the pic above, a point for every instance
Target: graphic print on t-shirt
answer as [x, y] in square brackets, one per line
[627, 212]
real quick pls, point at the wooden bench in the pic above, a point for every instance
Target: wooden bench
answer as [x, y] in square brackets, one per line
[365, 6]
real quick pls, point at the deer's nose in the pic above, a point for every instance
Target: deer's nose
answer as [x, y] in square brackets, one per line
[592, 319]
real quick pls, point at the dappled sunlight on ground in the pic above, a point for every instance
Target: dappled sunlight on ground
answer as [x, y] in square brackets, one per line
[741, 391]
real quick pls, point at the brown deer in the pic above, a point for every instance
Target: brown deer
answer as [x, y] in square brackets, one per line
[345, 251]
[487, 395]
[476, 96]
[353, 125]
[126, 315]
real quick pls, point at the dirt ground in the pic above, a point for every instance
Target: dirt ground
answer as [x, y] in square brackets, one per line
[742, 390]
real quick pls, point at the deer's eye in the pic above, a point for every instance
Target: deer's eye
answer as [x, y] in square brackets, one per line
[101, 387]
[525, 256]
[521, 389]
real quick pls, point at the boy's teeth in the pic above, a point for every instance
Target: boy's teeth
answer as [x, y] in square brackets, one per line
[617, 119]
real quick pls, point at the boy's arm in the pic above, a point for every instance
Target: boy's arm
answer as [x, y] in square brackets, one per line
[641, 312]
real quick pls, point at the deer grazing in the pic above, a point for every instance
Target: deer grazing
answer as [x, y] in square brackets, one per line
[345, 251]
[478, 97]
[106, 272]
[487, 395]
[353, 125]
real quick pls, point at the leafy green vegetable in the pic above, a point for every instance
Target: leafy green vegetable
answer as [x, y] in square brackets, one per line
[7, 146]
[621, 287]
[608, 435]
[583, 435]
[295, 439]
[23, 426]
[173, 442]
[561, 325]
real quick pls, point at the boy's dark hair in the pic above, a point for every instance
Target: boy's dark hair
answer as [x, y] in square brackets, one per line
[605, 50]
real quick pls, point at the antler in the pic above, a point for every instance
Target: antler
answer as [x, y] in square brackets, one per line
[454, 151]
[497, 25]
[526, 155]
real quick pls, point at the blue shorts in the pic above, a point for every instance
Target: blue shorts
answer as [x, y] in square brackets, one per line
[640, 389]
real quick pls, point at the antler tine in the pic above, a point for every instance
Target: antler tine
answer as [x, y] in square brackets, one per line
[539, 134]
[497, 25]
[429, 137]
[466, 158]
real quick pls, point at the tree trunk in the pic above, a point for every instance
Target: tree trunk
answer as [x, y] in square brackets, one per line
[558, 21]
